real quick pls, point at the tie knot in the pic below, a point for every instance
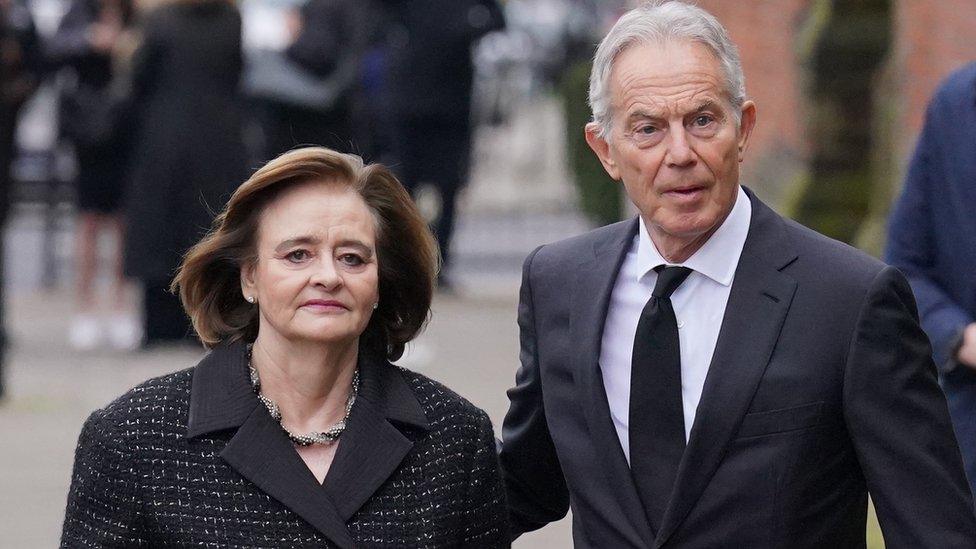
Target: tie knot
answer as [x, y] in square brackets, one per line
[668, 280]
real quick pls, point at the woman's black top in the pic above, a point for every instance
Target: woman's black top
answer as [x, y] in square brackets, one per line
[193, 459]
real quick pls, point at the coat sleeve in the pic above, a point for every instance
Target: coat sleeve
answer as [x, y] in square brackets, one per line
[71, 41]
[485, 518]
[103, 508]
[898, 421]
[534, 483]
[911, 240]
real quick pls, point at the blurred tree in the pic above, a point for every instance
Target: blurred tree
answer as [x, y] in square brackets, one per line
[844, 64]
[599, 196]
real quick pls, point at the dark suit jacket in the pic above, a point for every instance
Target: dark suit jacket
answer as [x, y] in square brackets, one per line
[193, 459]
[820, 390]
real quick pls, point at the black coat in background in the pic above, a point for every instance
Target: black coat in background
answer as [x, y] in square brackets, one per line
[193, 459]
[189, 155]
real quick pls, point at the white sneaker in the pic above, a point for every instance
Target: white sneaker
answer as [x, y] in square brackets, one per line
[124, 333]
[84, 333]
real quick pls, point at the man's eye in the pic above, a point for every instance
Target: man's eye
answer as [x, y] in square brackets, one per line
[703, 120]
[297, 256]
[352, 260]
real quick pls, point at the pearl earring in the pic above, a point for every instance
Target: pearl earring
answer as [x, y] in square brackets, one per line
[250, 299]
[376, 305]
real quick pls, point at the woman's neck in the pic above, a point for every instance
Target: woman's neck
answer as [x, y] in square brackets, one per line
[309, 382]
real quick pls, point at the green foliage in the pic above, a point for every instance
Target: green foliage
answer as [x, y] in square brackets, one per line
[599, 196]
[844, 51]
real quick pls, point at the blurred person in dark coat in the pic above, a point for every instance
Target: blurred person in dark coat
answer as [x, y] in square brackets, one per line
[189, 149]
[328, 37]
[430, 82]
[85, 45]
[20, 71]
[932, 239]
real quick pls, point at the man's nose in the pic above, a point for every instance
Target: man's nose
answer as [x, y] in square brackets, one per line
[679, 152]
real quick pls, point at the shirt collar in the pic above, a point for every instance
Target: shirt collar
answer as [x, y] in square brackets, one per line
[717, 258]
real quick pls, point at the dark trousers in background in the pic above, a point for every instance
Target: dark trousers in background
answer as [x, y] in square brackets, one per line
[435, 151]
[165, 320]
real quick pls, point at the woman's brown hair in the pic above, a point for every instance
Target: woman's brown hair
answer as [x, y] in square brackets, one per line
[209, 284]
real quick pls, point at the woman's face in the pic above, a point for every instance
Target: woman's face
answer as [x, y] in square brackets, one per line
[316, 276]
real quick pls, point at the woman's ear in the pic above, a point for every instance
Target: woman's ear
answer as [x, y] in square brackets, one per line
[248, 286]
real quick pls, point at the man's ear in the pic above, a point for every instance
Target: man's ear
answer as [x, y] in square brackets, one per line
[601, 148]
[746, 126]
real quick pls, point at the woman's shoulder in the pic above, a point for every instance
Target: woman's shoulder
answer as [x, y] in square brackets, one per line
[441, 403]
[162, 400]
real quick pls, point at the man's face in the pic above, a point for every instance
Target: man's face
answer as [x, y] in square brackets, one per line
[674, 142]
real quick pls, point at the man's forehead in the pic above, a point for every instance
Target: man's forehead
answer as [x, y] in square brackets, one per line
[666, 75]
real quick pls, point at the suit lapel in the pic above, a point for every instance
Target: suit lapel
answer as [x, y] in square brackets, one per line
[758, 303]
[590, 302]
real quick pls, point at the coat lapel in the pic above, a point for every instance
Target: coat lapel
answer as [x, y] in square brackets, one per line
[373, 445]
[590, 302]
[370, 450]
[262, 453]
[758, 303]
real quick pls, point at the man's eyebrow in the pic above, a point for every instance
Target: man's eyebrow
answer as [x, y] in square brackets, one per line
[704, 105]
[643, 113]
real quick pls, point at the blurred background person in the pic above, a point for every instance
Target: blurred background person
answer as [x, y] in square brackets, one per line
[304, 92]
[296, 430]
[188, 151]
[91, 119]
[429, 86]
[20, 73]
[932, 239]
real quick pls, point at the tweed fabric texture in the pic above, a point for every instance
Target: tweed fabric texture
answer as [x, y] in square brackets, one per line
[140, 481]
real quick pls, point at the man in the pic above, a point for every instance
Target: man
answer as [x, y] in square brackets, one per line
[932, 239]
[710, 374]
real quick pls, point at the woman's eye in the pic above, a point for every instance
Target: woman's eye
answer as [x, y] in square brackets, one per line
[645, 130]
[352, 260]
[297, 256]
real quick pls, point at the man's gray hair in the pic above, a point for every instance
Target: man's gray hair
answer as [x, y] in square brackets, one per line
[657, 23]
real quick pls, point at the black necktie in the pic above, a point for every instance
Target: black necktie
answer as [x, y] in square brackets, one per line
[657, 426]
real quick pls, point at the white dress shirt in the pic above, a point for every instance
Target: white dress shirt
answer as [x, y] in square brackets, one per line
[699, 306]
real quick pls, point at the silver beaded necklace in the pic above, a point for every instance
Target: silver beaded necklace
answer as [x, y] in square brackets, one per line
[328, 436]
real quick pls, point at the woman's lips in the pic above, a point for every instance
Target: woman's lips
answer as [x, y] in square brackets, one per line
[324, 305]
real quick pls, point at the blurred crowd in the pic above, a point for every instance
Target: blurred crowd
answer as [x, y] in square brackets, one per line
[166, 105]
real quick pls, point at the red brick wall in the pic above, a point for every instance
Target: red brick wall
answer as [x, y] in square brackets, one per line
[765, 31]
[933, 38]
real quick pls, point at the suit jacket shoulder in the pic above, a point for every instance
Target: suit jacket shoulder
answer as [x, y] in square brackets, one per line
[830, 260]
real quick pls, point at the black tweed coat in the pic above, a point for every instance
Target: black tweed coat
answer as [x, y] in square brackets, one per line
[193, 459]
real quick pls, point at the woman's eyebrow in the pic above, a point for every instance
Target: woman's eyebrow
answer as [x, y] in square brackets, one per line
[296, 241]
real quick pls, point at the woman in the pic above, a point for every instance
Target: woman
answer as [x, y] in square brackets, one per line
[296, 430]
[88, 42]
[189, 147]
